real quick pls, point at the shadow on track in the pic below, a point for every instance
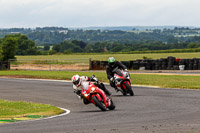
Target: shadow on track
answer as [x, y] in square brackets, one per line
[123, 96]
[95, 111]
[91, 111]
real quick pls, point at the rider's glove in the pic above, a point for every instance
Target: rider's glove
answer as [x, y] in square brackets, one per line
[78, 92]
[127, 72]
[95, 79]
[112, 79]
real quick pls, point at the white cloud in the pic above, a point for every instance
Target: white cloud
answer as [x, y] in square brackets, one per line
[77, 13]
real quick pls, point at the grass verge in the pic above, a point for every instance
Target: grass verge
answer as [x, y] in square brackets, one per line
[168, 81]
[9, 110]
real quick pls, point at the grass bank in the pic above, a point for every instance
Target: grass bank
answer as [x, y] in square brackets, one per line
[168, 81]
[11, 109]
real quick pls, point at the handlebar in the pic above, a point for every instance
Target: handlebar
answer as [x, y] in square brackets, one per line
[92, 77]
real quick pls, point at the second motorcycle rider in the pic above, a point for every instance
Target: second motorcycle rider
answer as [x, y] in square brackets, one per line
[112, 64]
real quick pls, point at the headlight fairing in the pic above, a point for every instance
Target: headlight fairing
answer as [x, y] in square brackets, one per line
[93, 89]
[86, 95]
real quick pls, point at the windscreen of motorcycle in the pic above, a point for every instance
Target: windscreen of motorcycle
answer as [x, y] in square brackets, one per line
[85, 85]
[119, 72]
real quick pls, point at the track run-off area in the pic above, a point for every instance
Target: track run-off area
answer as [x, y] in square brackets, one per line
[150, 110]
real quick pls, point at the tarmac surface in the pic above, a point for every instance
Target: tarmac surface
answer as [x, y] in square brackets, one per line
[151, 110]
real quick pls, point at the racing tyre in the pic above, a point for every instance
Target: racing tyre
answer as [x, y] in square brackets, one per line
[99, 103]
[112, 106]
[124, 93]
[129, 89]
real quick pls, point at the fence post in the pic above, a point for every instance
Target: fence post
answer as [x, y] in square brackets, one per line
[49, 64]
[90, 64]
[8, 64]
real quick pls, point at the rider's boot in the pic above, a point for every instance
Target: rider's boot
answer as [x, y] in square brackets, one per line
[116, 89]
[102, 86]
[107, 92]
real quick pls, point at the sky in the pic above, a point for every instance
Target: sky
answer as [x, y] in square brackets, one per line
[91, 13]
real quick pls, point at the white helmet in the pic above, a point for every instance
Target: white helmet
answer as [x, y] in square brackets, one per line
[76, 80]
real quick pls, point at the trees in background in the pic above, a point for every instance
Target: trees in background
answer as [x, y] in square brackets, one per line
[52, 40]
[56, 35]
[8, 48]
[193, 45]
[18, 44]
[25, 45]
[74, 46]
[21, 45]
[46, 48]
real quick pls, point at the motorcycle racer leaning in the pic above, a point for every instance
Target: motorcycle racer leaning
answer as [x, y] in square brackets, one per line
[112, 64]
[83, 82]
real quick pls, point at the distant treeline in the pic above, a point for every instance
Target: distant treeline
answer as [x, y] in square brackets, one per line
[76, 46]
[54, 40]
[54, 35]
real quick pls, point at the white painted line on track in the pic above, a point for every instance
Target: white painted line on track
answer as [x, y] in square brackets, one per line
[71, 81]
[67, 111]
[144, 86]
[68, 81]
[63, 114]
[39, 79]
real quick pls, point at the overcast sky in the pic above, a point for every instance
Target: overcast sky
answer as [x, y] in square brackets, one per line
[86, 13]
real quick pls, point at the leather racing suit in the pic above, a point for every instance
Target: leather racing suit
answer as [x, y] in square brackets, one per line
[84, 84]
[110, 73]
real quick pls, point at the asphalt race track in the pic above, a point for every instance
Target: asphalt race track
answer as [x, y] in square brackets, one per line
[151, 110]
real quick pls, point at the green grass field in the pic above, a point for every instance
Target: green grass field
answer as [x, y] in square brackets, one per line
[11, 109]
[168, 81]
[104, 57]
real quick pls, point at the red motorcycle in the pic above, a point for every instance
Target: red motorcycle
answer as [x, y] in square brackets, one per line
[98, 97]
[122, 81]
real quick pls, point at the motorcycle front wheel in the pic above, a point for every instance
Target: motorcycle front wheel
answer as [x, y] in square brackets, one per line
[99, 103]
[129, 89]
[112, 106]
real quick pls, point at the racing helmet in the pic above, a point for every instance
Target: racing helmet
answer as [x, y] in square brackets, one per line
[111, 61]
[76, 80]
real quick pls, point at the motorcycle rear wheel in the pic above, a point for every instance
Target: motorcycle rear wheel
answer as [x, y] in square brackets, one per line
[99, 103]
[129, 89]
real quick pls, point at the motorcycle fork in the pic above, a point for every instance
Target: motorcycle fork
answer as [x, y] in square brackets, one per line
[104, 98]
[123, 85]
[98, 97]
